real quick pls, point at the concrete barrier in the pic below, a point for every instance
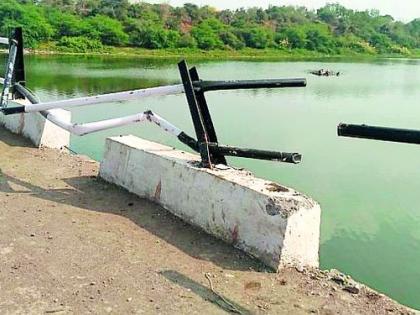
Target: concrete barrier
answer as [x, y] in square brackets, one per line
[39, 130]
[275, 224]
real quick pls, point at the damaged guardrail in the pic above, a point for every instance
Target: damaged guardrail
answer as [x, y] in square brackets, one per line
[207, 145]
[379, 133]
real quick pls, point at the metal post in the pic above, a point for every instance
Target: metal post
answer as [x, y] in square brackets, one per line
[196, 115]
[19, 68]
[215, 157]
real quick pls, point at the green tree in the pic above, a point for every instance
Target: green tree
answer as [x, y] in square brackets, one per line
[231, 40]
[108, 30]
[206, 34]
[153, 36]
[258, 37]
[187, 41]
[381, 42]
[66, 24]
[36, 28]
[294, 36]
[87, 7]
[319, 38]
[117, 9]
[331, 29]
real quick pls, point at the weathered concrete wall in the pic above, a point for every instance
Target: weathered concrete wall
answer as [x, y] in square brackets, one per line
[36, 128]
[276, 224]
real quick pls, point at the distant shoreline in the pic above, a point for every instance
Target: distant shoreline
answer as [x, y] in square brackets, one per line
[245, 54]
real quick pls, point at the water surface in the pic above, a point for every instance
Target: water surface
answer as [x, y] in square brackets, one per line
[369, 191]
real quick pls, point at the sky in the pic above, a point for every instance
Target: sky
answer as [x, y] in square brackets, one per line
[404, 10]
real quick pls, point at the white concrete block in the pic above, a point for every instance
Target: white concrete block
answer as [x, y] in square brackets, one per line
[36, 128]
[275, 224]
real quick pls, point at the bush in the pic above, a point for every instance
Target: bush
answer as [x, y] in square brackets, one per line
[319, 38]
[36, 28]
[294, 36]
[396, 49]
[187, 41]
[79, 44]
[172, 39]
[258, 37]
[381, 42]
[355, 44]
[231, 40]
[206, 34]
[66, 24]
[107, 30]
[153, 36]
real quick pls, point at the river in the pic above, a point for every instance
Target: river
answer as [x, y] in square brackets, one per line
[369, 191]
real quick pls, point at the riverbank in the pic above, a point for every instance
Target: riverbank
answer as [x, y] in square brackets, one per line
[244, 54]
[74, 244]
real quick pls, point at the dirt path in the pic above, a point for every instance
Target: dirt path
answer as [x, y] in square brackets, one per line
[72, 244]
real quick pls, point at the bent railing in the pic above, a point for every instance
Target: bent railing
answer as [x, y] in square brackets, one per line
[206, 145]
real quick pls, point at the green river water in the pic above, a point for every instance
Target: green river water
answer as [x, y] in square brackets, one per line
[369, 191]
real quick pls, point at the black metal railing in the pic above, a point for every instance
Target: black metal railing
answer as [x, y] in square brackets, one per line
[379, 133]
[207, 145]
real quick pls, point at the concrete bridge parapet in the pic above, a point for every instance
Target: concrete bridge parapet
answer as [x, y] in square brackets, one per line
[41, 132]
[273, 223]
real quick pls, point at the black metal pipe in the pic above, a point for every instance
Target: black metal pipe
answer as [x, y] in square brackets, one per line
[19, 68]
[189, 141]
[248, 84]
[379, 133]
[294, 158]
[20, 109]
[13, 110]
[26, 93]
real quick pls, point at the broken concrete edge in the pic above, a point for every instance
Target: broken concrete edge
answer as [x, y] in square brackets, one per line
[41, 132]
[272, 223]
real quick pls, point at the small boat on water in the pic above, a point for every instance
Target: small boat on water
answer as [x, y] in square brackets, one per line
[325, 73]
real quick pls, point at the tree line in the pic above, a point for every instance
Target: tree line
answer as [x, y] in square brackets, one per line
[90, 25]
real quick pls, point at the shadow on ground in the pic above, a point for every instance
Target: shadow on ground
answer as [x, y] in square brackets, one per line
[204, 292]
[14, 140]
[90, 193]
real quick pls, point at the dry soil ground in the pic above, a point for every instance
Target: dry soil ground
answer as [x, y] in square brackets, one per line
[72, 244]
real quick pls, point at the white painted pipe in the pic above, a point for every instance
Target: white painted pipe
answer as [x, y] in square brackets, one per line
[83, 129]
[163, 123]
[4, 41]
[87, 128]
[107, 98]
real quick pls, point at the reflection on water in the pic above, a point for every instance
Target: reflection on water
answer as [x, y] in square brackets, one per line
[70, 76]
[369, 191]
